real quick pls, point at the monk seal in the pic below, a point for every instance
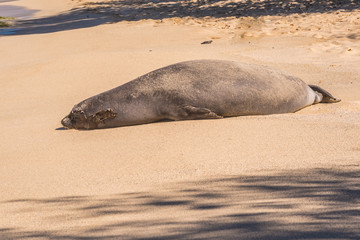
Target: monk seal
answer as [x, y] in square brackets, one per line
[196, 89]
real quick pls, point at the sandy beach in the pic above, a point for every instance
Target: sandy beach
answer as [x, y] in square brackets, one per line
[286, 176]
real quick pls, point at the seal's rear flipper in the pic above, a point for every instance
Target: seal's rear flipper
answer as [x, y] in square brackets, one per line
[188, 112]
[326, 96]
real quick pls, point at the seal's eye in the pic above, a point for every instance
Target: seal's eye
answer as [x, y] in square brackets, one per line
[78, 119]
[77, 116]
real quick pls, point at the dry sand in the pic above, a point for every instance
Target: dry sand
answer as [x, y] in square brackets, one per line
[290, 176]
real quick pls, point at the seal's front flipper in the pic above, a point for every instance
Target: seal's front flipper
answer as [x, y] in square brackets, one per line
[103, 115]
[189, 112]
[325, 96]
[99, 118]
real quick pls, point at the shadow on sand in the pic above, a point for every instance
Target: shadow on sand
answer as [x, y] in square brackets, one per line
[94, 14]
[312, 204]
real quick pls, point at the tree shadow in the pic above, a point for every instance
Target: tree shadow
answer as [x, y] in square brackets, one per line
[77, 18]
[96, 13]
[160, 9]
[311, 204]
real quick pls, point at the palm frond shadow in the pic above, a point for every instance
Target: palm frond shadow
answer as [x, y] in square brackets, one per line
[315, 204]
[97, 13]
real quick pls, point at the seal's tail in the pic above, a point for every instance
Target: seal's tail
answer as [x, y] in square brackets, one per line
[327, 97]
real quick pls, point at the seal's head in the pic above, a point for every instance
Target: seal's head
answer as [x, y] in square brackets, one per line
[76, 119]
[83, 120]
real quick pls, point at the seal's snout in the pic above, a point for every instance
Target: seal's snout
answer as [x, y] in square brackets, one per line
[66, 122]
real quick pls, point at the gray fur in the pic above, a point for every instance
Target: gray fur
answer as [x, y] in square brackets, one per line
[196, 90]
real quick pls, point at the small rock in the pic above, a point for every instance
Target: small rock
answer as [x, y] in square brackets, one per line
[318, 36]
[207, 42]
[246, 34]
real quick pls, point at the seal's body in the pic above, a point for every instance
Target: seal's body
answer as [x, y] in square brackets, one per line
[195, 90]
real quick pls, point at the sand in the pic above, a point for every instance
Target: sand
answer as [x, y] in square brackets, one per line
[257, 177]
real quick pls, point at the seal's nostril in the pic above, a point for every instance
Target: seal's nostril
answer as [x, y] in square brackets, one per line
[66, 122]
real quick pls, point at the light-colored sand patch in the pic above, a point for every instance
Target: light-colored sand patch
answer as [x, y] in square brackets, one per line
[40, 8]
